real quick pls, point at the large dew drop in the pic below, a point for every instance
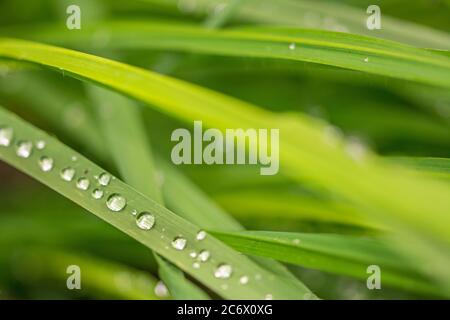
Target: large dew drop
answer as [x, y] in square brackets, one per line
[24, 149]
[116, 202]
[223, 271]
[145, 221]
[67, 174]
[46, 164]
[179, 243]
[6, 136]
[83, 183]
[104, 179]
[161, 290]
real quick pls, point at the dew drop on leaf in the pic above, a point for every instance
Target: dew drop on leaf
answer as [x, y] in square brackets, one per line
[6, 136]
[223, 271]
[104, 179]
[24, 149]
[243, 280]
[97, 194]
[196, 265]
[145, 221]
[204, 255]
[201, 235]
[292, 46]
[116, 202]
[161, 290]
[46, 164]
[67, 174]
[40, 145]
[268, 297]
[83, 183]
[179, 243]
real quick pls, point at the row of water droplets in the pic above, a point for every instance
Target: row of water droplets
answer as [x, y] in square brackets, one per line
[115, 202]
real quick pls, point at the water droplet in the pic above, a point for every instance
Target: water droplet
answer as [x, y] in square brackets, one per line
[6, 136]
[83, 183]
[187, 6]
[116, 202]
[97, 194]
[243, 280]
[104, 179]
[40, 144]
[292, 46]
[193, 254]
[356, 149]
[24, 149]
[179, 243]
[67, 174]
[268, 297]
[223, 271]
[366, 59]
[74, 158]
[196, 265]
[204, 255]
[134, 212]
[145, 221]
[161, 290]
[201, 235]
[46, 164]
[296, 241]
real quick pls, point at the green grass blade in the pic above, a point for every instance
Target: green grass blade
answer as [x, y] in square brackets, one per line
[345, 255]
[167, 224]
[320, 15]
[348, 51]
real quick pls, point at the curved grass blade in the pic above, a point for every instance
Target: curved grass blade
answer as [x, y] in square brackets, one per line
[339, 254]
[314, 14]
[348, 51]
[167, 224]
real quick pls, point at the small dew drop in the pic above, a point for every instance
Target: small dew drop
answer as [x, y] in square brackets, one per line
[193, 254]
[104, 179]
[296, 241]
[204, 255]
[356, 149]
[292, 46]
[24, 149]
[243, 280]
[83, 183]
[40, 145]
[46, 164]
[179, 243]
[74, 158]
[67, 174]
[268, 297]
[134, 212]
[161, 290]
[201, 235]
[196, 265]
[116, 202]
[6, 136]
[366, 59]
[145, 221]
[223, 271]
[97, 194]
